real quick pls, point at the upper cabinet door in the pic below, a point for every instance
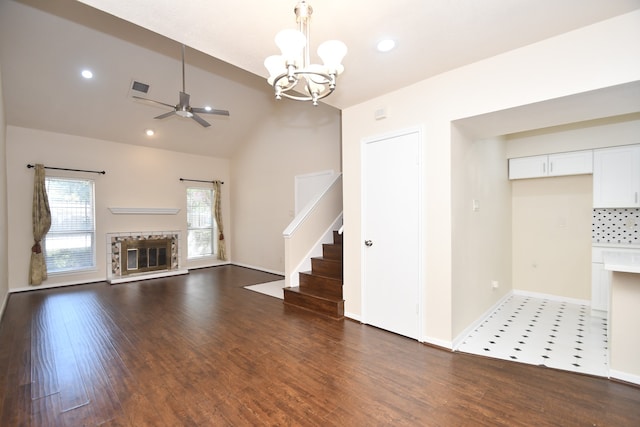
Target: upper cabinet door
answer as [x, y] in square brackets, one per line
[528, 167]
[616, 177]
[572, 163]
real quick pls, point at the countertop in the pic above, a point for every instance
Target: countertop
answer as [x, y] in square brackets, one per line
[625, 262]
[615, 245]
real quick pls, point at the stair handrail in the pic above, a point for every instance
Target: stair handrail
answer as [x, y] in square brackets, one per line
[308, 229]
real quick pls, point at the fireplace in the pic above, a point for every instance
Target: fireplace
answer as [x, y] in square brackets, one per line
[141, 256]
[138, 256]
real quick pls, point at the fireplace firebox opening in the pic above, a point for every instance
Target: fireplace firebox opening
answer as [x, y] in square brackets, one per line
[141, 256]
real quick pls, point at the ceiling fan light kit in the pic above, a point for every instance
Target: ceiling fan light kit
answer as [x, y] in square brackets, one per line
[183, 109]
[292, 74]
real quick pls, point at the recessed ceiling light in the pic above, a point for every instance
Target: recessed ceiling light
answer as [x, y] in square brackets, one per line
[150, 132]
[385, 45]
[87, 74]
[208, 108]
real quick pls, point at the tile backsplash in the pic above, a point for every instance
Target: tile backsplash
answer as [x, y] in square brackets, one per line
[616, 226]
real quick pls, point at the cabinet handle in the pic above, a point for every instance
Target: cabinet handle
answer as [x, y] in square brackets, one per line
[550, 167]
[544, 168]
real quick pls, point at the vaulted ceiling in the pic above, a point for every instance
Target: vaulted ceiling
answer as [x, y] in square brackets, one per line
[45, 45]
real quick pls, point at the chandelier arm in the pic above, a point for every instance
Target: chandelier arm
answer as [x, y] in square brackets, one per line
[306, 98]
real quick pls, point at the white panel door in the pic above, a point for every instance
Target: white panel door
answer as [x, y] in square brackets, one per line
[391, 233]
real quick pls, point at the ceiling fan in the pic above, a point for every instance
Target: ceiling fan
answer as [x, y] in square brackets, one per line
[183, 109]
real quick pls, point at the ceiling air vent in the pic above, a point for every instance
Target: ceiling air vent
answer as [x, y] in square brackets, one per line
[138, 88]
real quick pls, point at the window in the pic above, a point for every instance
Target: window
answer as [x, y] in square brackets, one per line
[201, 228]
[70, 243]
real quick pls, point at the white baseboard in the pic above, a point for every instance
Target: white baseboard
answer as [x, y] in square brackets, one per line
[457, 341]
[56, 285]
[353, 316]
[624, 376]
[437, 342]
[552, 297]
[206, 265]
[4, 304]
[253, 267]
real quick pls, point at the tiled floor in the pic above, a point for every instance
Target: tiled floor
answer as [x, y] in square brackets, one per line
[543, 332]
[273, 289]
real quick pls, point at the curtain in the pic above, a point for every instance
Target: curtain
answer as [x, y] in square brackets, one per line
[41, 218]
[222, 249]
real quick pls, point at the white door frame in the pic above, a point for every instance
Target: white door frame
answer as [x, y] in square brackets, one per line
[421, 199]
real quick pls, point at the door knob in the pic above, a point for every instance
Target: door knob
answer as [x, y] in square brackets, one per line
[368, 243]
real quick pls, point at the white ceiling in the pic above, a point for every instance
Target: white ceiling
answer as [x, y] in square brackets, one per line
[43, 46]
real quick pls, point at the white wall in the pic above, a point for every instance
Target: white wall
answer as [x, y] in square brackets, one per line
[4, 226]
[552, 235]
[595, 57]
[481, 250]
[136, 177]
[606, 132]
[299, 139]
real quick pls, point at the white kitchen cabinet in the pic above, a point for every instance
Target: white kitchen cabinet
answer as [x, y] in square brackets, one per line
[571, 163]
[616, 177]
[601, 278]
[528, 167]
[600, 283]
[600, 288]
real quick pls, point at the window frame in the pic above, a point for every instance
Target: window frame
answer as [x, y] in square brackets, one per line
[91, 234]
[213, 228]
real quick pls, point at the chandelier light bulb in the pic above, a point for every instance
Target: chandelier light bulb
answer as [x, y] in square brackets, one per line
[332, 52]
[275, 65]
[291, 44]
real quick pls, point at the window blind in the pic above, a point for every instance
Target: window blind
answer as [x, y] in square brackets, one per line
[70, 242]
[200, 223]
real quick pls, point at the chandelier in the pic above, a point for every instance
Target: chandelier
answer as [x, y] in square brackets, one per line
[292, 74]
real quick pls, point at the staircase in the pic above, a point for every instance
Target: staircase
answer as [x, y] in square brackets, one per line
[320, 289]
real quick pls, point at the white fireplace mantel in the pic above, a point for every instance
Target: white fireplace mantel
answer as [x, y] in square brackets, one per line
[144, 211]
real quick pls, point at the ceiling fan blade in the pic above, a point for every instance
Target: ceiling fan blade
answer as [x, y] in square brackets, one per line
[165, 115]
[184, 99]
[152, 101]
[200, 120]
[210, 111]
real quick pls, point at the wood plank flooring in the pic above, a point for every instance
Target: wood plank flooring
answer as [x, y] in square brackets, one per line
[199, 350]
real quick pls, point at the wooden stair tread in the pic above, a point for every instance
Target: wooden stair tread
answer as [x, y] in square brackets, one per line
[297, 290]
[319, 274]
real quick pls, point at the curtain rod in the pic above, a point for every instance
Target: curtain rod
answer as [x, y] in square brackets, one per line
[71, 170]
[199, 180]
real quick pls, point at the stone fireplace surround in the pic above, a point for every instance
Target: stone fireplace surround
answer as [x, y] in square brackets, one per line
[115, 257]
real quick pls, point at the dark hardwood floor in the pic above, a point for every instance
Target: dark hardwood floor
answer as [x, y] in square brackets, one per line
[199, 350]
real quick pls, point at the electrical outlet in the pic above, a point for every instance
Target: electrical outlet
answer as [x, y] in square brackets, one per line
[495, 284]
